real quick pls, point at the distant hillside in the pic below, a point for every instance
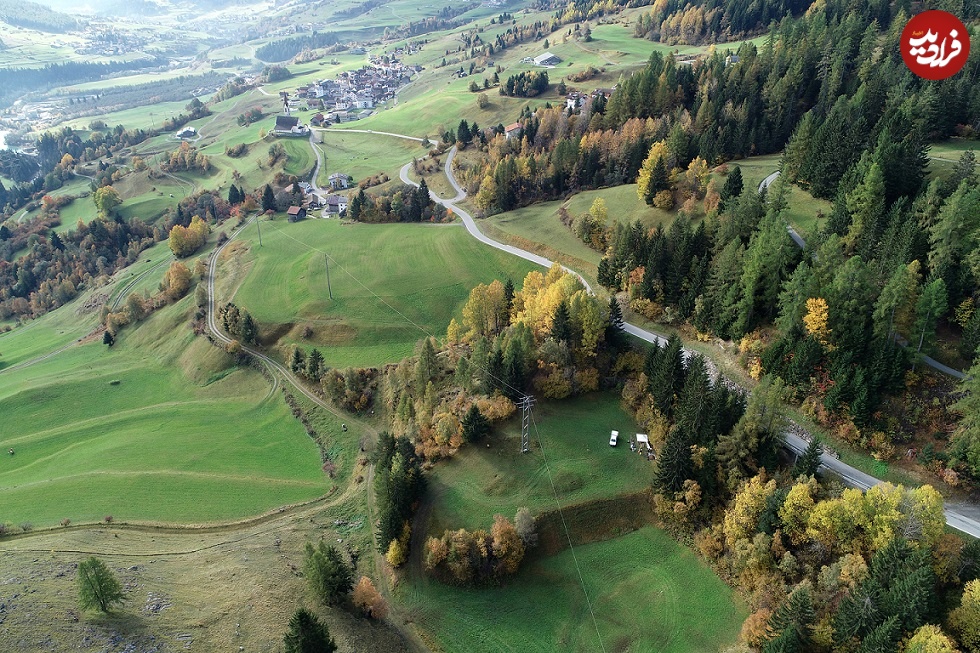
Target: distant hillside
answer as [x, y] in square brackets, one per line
[35, 16]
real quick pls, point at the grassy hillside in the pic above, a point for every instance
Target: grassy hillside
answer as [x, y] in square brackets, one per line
[160, 427]
[423, 274]
[481, 481]
[648, 594]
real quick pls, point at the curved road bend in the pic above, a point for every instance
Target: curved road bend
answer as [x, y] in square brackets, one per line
[962, 517]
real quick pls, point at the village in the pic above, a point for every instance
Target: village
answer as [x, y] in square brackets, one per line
[353, 95]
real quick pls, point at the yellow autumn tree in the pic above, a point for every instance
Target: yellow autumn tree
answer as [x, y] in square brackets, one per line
[657, 151]
[176, 281]
[796, 509]
[454, 332]
[930, 639]
[742, 518]
[816, 318]
[540, 296]
[965, 620]
[485, 312]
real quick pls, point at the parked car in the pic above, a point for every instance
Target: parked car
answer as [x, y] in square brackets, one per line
[613, 437]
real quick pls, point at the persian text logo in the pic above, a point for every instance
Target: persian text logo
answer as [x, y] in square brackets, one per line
[935, 44]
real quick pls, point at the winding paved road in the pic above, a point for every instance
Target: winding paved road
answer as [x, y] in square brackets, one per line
[960, 516]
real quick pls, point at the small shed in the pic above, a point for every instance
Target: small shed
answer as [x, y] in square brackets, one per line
[642, 438]
[294, 213]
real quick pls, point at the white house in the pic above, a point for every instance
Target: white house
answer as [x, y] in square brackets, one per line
[336, 204]
[338, 181]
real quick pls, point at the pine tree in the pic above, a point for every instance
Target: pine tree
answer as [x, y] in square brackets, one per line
[314, 366]
[297, 362]
[930, 307]
[233, 195]
[733, 185]
[667, 378]
[463, 133]
[674, 465]
[107, 338]
[268, 199]
[561, 324]
[97, 586]
[695, 409]
[425, 368]
[809, 461]
[475, 425]
[509, 296]
[659, 179]
[307, 634]
[792, 622]
[328, 574]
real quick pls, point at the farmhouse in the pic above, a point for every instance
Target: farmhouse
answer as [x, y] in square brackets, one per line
[187, 132]
[546, 59]
[338, 181]
[513, 130]
[295, 213]
[336, 204]
[289, 126]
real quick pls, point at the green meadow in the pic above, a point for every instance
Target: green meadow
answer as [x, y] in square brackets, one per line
[392, 284]
[647, 593]
[569, 440]
[160, 427]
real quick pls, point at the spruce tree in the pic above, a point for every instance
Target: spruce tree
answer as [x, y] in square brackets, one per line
[674, 465]
[695, 407]
[667, 377]
[307, 634]
[314, 366]
[509, 295]
[733, 185]
[328, 574]
[107, 338]
[475, 424]
[561, 325]
[298, 361]
[659, 179]
[425, 367]
[268, 199]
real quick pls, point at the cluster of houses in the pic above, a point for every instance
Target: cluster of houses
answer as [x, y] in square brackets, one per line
[308, 198]
[354, 94]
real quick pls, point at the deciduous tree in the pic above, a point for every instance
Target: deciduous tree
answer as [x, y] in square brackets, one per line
[97, 586]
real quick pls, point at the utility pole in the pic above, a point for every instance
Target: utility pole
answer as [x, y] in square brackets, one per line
[326, 259]
[526, 402]
[258, 225]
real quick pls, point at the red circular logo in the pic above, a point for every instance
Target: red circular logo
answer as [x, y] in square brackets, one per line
[935, 44]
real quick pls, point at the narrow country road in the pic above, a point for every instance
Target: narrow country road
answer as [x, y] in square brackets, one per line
[962, 517]
[931, 362]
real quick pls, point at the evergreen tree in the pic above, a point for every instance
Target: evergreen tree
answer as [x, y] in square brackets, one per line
[607, 274]
[509, 297]
[248, 330]
[463, 133]
[328, 574]
[297, 362]
[667, 378]
[97, 586]
[561, 324]
[809, 461]
[233, 195]
[695, 407]
[659, 179]
[930, 307]
[475, 425]
[307, 634]
[733, 185]
[56, 242]
[425, 368]
[792, 623]
[674, 465]
[107, 338]
[314, 365]
[268, 199]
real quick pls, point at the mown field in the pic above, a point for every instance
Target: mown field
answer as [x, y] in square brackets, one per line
[648, 593]
[160, 427]
[574, 440]
[364, 155]
[422, 273]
